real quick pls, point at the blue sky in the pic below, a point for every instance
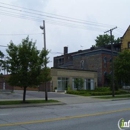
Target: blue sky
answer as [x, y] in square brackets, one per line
[107, 14]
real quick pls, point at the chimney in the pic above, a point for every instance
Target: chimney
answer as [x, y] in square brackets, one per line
[65, 50]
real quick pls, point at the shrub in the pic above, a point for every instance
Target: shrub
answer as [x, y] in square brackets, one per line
[104, 93]
[102, 89]
[69, 88]
[55, 88]
[81, 92]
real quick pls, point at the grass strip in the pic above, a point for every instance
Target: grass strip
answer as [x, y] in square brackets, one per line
[116, 97]
[18, 102]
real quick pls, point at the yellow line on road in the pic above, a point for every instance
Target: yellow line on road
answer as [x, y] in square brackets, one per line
[63, 118]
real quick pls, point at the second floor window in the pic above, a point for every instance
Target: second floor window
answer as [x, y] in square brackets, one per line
[128, 44]
[82, 64]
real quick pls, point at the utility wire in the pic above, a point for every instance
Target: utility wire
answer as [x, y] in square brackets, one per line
[21, 34]
[28, 17]
[64, 21]
[52, 15]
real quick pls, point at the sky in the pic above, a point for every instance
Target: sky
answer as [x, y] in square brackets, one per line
[72, 23]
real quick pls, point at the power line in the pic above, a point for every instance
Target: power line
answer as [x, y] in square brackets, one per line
[50, 21]
[49, 52]
[3, 46]
[21, 34]
[52, 15]
[51, 18]
[32, 18]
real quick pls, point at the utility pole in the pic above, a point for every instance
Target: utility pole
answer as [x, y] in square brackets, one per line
[113, 87]
[44, 39]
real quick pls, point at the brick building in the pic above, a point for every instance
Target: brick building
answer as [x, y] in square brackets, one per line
[93, 59]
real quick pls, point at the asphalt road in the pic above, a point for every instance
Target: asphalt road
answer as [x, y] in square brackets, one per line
[86, 116]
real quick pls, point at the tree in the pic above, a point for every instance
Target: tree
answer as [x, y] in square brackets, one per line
[105, 39]
[26, 64]
[1, 60]
[122, 67]
[78, 83]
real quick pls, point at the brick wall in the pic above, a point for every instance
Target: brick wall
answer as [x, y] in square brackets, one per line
[92, 62]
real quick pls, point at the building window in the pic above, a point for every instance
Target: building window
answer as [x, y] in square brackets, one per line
[129, 45]
[82, 64]
[105, 62]
[110, 60]
[60, 61]
[105, 73]
[62, 83]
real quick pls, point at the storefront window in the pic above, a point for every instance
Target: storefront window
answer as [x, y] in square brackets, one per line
[62, 83]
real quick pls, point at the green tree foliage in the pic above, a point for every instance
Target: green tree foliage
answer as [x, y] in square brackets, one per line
[122, 67]
[26, 65]
[79, 83]
[1, 60]
[46, 74]
[105, 39]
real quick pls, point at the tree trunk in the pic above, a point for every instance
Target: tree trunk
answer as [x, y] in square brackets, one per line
[46, 94]
[24, 94]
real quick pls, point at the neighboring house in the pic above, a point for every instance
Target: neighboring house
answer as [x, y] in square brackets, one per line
[63, 78]
[126, 40]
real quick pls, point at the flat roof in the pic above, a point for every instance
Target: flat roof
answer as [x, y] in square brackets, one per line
[73, 69]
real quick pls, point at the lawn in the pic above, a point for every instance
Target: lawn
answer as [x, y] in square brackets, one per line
[18, 102]
[116, 96]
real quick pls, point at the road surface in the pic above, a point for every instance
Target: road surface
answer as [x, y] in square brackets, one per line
[85, 116]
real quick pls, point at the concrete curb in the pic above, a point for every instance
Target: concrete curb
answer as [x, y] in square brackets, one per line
[30, 105]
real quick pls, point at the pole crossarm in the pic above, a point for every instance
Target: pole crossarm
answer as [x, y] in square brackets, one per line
[110, 30]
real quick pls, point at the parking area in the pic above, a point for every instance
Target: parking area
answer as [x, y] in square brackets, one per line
[64, 98]
[18, 94]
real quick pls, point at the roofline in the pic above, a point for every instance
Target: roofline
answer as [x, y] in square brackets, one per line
[125, 31]
[79, 51]
[101, 49]
[73, 69]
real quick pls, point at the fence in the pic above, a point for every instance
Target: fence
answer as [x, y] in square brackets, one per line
[4, 86]
[48, 86]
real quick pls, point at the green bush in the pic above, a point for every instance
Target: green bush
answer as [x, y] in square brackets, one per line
[102, 89]
[81, 92]
[104, 93]
[69, 88]
[124, 92]
[55, 88]
[98, 92]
